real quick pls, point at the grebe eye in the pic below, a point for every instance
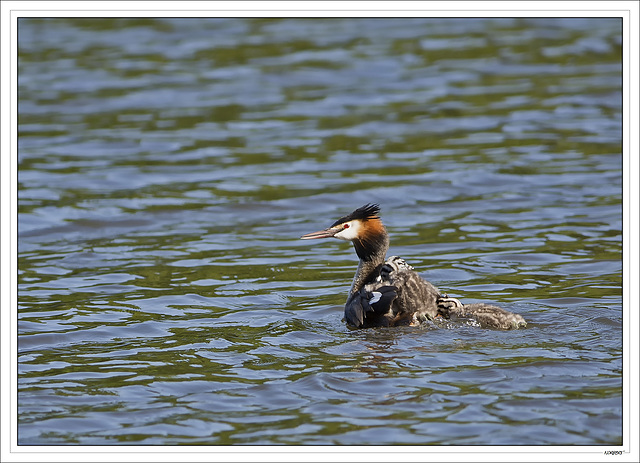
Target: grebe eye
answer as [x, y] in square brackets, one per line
[346, 225]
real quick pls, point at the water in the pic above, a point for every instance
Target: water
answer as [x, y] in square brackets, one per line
[168, 167]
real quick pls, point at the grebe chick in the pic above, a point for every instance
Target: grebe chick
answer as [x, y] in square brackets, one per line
[389, 292]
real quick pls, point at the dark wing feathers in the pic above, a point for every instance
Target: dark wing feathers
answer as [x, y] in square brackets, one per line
[368, 307]
[380, 300]
[354, 312]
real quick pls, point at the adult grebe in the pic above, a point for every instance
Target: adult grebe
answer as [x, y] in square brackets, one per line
[388, 292]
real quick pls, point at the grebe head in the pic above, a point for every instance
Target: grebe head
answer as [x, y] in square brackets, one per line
[363, 228]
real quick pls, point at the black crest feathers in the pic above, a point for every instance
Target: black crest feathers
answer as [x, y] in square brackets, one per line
[366, 212]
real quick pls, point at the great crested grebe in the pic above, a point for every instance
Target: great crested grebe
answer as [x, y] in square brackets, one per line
[389, 292]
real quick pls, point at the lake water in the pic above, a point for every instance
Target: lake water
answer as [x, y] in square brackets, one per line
[167, 168]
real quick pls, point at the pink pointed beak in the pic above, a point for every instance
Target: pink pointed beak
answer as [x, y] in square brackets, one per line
[328, 233]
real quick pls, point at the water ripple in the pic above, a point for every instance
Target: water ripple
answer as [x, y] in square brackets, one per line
[167, 168]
